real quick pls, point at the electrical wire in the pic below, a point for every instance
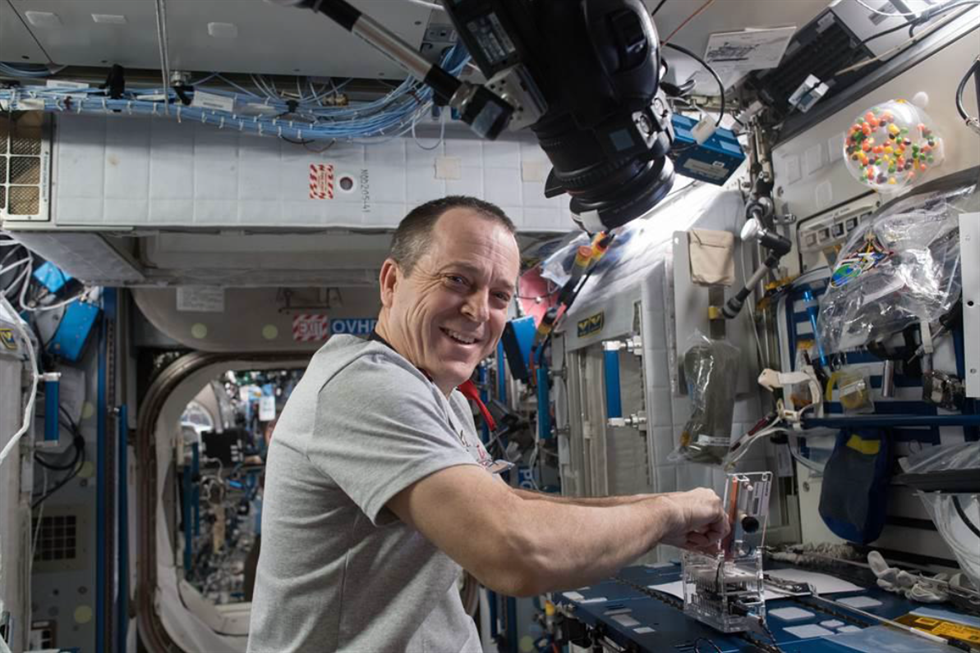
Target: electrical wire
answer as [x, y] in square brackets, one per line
[442, 134]
[885, 13]
[41, 73]
[973, 70]
[60, 484]
[659, 5]
[687, 20]
[19, 325]
[721, 86]
[915, 22]
[962, 514]
[900, 47]
[705, 640]
[430, 5]
[388, 117]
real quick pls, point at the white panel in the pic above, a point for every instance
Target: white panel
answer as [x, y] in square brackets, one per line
[123, 171]
[14, 520]
[16, 42]
[81, 41]
[970, 258]
[269, 39]
[283, 40]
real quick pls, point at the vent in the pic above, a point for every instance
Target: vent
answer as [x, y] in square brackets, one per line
[58, 538]
[24, 156]
[823, 47]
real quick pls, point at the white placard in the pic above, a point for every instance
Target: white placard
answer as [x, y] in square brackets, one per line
[205, 100]
[267, 408]
[750, 49]
[200, 299]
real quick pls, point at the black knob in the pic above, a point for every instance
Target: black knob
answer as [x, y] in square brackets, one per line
[750, 524]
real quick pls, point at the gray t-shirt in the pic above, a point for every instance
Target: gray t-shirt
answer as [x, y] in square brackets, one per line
[338, 571]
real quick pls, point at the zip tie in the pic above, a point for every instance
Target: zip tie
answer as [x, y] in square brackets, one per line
[280, 131]
[154, 112]
[179, 111]
[221, 124]
[105, 106]
[241, 125]
[299, 135]
[129, 107]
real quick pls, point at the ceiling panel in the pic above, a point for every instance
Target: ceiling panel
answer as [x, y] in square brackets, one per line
[76, 39]
[254, 36]
[16, 42]
[281, 40]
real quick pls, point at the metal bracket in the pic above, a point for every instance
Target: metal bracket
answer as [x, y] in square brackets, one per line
[637, 421]
[633, 344]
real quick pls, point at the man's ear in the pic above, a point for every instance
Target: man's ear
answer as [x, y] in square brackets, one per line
[389, 278]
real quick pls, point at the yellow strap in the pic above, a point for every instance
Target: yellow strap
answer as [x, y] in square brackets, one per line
[867, 447]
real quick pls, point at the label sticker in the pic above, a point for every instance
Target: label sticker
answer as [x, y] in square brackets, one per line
[942, 628]
[321, 181]
[591, 324]
[355, 326]
[868, 256]
[713, 440]
[267, 408]
[212, 101]
[7, 339]
[311, 328]
[200, 299]
[707, 169]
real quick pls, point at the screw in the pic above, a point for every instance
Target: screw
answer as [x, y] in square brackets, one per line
[644, 124]
[779, 191]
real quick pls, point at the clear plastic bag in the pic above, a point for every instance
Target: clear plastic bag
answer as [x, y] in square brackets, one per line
[895, 270]
[711, 370]
[948, 510]
[944, 457]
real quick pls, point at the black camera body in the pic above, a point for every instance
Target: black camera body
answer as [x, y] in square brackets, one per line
[593, 67]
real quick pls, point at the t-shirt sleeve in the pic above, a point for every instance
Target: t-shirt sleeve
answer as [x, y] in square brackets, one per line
[379, 429]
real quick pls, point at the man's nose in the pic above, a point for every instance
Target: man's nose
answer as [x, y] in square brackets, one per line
[477, 306]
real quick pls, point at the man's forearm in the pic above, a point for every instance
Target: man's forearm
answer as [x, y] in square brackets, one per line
[569, 545]
[597, 502]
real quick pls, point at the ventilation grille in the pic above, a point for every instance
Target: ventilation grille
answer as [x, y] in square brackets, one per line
[22, 161]
[57, 540]
[821, 48]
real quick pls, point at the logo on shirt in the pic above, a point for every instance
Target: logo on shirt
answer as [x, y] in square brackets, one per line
[477, 451]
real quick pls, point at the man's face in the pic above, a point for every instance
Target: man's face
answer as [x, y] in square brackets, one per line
[449, 313]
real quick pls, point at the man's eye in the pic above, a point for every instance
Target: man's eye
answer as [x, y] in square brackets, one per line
[502, 296]
[456, 280]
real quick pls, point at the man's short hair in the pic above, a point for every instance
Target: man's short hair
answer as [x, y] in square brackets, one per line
[414, 233]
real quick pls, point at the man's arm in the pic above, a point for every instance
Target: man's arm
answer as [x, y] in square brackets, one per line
[598, 502]
[525, 547]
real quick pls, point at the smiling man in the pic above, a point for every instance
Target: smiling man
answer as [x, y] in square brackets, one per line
[377, 489]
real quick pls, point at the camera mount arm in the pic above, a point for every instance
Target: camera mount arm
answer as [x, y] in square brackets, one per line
[485, 112]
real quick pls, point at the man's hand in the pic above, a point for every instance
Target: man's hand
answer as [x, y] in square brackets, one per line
[699, 522]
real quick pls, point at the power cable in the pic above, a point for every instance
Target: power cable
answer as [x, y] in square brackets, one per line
[973, 70]
[721, 86]
[962, 513]
[885, 13]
